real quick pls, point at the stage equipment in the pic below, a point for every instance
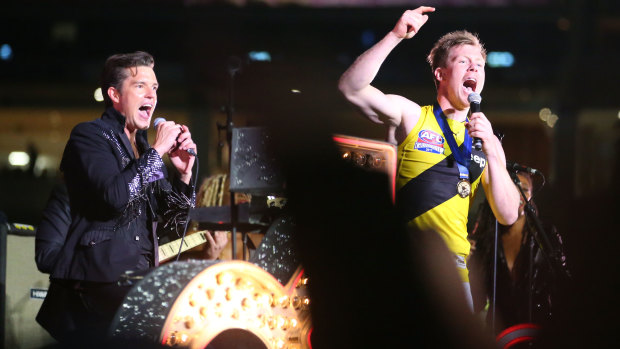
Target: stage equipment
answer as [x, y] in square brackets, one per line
[370, 154]
[193, 303]
[276, 253]
[23, 288]
[254, 168]
[171, 249]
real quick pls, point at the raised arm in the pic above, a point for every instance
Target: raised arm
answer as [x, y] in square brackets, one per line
[355, 82]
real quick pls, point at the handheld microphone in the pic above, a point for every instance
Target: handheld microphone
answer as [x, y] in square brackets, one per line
[474, 105]
[517, 167]
[158, 121]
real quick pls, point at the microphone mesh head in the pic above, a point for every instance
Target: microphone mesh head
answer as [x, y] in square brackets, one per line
[158, 121]
[474, 98]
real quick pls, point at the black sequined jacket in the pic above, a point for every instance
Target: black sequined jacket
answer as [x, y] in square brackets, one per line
[115, 201]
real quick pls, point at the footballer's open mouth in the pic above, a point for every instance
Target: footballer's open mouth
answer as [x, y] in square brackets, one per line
[470, 84]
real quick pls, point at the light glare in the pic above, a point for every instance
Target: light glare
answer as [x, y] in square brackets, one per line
[497, 59]
[6, 52]
[98, 95]
[259, 56]
[19, 158]
[544, 114]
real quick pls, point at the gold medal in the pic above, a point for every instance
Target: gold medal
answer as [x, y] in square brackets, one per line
[463, 188]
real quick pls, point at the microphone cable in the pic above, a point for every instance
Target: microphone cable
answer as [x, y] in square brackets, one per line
[197, 165]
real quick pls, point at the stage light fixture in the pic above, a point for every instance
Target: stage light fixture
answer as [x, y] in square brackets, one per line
[369, 154]
[359, 159]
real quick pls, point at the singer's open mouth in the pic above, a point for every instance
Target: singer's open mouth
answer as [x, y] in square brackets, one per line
[147, 109]
[470, 84]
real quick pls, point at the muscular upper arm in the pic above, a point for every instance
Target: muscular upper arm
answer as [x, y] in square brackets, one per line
[395, 112]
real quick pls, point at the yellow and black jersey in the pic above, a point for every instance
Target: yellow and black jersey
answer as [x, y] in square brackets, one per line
[427, 177]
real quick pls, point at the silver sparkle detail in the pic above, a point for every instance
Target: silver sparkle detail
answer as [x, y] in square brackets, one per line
[153, 164]
[110, 136]
[144, 310]
[276, 253]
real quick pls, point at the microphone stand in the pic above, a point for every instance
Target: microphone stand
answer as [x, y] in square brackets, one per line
[540, 237]
[234, 66]
[499, 136]
[494, 289]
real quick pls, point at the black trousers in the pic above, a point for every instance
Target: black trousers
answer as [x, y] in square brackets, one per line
[75, 310]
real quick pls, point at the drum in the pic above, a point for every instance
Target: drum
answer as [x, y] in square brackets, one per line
[258, 304]
[195, 303]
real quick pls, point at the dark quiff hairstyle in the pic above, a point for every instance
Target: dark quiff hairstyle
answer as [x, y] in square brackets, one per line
[439, 53]
[115, 70]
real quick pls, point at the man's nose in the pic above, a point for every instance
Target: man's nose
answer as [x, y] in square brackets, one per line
[151, 93]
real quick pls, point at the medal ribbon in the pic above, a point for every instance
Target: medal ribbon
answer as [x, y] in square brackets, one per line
[462, 158]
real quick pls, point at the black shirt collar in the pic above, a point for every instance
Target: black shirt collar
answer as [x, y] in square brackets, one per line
[117, 121]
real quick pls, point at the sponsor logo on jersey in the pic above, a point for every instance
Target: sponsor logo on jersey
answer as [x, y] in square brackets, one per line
[479, 160]
[430, 141]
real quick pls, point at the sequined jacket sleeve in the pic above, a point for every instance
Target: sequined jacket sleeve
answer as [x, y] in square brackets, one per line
[97, 158]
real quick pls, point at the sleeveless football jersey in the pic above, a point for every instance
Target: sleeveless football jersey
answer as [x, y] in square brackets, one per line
[427, 177]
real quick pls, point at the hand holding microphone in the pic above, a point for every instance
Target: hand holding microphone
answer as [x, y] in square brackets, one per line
[474, 106]
[172, 136]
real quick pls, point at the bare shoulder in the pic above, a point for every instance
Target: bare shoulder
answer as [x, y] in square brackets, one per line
[410, 114]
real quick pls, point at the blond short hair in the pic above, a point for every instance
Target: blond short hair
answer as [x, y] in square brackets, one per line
[439, 53]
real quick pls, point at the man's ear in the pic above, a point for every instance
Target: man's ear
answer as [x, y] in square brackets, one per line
[114, 95]
[438, 74]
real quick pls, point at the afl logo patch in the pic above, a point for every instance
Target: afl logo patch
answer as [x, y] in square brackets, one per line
[430, 141]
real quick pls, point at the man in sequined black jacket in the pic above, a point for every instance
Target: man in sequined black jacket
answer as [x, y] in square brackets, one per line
[119, 188]
[115, 198]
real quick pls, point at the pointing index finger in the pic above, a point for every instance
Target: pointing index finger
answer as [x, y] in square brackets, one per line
[425, 9]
